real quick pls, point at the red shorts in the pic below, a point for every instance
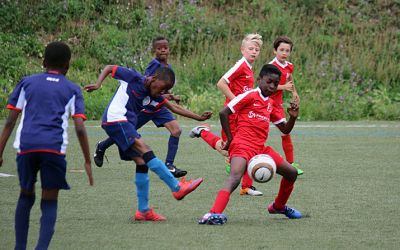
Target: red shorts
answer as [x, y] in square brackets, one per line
[237, 149]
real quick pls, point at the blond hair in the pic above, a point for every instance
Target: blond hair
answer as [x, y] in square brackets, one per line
[254, 37]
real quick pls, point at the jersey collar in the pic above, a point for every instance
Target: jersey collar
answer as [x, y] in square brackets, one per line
[265, 98]
[248, 64]
[284, 65]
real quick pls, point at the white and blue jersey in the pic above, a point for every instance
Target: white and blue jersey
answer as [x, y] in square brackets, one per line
[130, 98]
[46, 101]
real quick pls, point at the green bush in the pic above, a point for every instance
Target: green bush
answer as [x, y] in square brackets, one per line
[346, 53]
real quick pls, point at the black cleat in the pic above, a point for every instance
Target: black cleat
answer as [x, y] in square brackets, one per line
[98, 156]
[176, 172]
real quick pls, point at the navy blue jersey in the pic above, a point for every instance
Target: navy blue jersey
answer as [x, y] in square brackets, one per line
[130, 98]
[153, 66]
[46, 101]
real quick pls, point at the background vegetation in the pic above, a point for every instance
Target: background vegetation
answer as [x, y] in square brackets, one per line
[346, 52]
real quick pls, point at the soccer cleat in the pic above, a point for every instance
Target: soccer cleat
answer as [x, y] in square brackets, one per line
[195, 132]
[98, 156]
[149, 216]
[186, 187]
[291, 213]
[213, 219]
[252, 191]
[297, 167]
[176, 172]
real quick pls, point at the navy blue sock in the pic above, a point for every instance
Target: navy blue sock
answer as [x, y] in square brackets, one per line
[47, 223]
[158, 167]
[142, 187]
[173, 143]
[103, 145]
[22, 212]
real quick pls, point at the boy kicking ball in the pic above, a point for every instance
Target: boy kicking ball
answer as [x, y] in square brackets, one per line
[134, 94]
[253, 110]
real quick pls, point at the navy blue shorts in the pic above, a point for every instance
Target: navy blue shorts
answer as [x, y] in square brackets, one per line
[124, 135]
[159, 118]
[53, 168]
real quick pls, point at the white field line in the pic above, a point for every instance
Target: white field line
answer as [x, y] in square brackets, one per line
[297, 126]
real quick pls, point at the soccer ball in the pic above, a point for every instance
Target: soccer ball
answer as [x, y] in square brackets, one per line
[261, 168]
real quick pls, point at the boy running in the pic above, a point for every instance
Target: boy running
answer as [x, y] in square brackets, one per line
[282, 48]
[253, 110]
[134, 94]
[161, 117]
[46, 101]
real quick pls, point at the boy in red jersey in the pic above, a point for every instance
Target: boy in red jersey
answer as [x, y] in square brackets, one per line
[253, 110]
[236, 81]
[282, 49]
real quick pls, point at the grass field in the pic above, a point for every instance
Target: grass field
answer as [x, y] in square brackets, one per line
[349, 194]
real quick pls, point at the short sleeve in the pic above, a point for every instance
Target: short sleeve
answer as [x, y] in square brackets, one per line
[78, 106]
[16, 100]
[240, 101]
[125, 74]
[234, 72]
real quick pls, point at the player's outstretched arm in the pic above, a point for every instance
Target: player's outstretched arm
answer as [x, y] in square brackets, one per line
[104, 73]
[7, 130]
[224, 119]
[286, 127]
[177, 109]
[83, 141]
[224, 88]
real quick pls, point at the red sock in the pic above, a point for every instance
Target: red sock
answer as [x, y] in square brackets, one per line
[210, 138]
[220, 202]
[246, 180]
[285, 190]
[287, 146]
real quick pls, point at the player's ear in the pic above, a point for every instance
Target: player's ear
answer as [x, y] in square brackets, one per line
[258, 79]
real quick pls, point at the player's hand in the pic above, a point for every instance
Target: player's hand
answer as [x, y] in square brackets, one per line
[226, 144]
[205, 116]
[176, 98]
[293, 110]
[295, 99]
[91, 87]
[289, 86]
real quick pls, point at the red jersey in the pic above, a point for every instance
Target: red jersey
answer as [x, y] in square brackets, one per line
[239, 78]
[253, 112]
[286, 69]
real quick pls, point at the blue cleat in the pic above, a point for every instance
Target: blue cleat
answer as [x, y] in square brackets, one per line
[213, 219]
[291, 213]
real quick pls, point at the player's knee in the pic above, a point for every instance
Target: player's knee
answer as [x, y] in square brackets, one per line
[141, 147]
[176, 132]
[234, 179]
[292, 174]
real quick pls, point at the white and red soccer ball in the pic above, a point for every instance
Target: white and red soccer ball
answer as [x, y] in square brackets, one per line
[261, 168]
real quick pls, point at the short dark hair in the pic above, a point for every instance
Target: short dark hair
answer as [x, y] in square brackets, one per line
[166, 74]
[268, 69]
[283, 39]
[159, 38]
[57, 54]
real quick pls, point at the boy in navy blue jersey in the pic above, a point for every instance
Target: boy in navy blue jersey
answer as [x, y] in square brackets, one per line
[134, 94]
[46, 101]
[161, 117]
